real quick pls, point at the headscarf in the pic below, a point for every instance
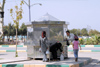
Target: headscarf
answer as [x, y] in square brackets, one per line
[43, 34]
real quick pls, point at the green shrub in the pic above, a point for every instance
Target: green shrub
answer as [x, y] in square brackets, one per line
[94, 40]
[1, 43]
[81, 41]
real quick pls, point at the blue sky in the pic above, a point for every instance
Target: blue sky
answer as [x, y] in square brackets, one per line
[79, 13]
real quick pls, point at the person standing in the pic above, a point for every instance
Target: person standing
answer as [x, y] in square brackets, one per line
[75, 47]
[69, 38]
[43, 45]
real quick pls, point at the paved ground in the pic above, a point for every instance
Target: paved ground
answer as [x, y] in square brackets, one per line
[86, 48]
[9, 58]
[69, 48]
[94, 55]
[94, 63]
[13, 48]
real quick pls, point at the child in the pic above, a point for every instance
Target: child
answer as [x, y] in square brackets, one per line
[75, 47]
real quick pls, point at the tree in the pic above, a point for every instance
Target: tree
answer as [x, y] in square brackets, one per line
[5, 30]
[84, 32]
[9, 29]
[13, 31]
[23, 29]
[79, 32]
[93, 32]
[76, 31]
[16, 18]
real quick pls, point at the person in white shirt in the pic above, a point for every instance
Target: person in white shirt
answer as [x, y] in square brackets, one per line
[69, 38]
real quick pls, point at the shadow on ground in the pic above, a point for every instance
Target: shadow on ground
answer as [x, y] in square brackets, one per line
[13, 61]
[93, 63]
[64, 63]
[3, 54]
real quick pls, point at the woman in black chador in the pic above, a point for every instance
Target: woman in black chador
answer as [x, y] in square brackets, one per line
[54, 48]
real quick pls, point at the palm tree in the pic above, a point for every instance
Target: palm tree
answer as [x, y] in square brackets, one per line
[96, 39]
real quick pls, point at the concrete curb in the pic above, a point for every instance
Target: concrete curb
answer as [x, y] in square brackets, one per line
[81, 64]
[87, 46]
[47, 65]
[68, 50]
[13, 50]
[13, 46]
[68, 46]
[85, 50]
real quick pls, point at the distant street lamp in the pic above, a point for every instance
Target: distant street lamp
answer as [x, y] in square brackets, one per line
[29, 6]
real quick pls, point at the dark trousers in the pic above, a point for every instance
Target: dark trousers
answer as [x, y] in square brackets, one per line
[54, 54]
[67, 43]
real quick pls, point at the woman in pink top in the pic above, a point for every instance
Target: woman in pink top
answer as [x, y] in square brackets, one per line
[75, 47]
